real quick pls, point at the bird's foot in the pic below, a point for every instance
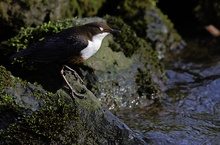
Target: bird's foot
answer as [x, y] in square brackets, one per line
[74, 72]
[73, 92]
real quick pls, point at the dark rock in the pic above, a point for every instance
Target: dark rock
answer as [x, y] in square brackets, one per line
[31, 114]
[148, 22]
[124, 73]
[17, 14]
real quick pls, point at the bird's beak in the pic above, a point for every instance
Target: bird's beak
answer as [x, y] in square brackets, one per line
[113, 31]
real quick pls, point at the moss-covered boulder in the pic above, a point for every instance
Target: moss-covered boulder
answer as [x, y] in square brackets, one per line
[30, 115]
[20, 13]
[125, 72]
[148, 22]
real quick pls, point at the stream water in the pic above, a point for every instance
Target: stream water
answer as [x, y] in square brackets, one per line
[189, 114]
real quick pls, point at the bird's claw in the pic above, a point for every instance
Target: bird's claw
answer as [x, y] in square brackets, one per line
[74, 72]
[73, 92]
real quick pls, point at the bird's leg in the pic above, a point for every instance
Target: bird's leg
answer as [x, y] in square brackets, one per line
[73, 93]
[74, 72]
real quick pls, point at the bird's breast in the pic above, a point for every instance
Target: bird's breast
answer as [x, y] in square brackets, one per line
[76, 59]
[93, 46]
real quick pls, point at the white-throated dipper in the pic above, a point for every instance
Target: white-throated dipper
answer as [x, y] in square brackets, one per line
[73, 45]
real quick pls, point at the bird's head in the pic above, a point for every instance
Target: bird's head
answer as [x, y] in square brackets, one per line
[100, 29]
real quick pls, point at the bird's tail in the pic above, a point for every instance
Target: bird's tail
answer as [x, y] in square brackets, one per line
[19, 54]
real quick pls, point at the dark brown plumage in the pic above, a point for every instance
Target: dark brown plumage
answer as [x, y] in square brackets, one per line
[65, 45]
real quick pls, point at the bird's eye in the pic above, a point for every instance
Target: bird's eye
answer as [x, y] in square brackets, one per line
[101, 29]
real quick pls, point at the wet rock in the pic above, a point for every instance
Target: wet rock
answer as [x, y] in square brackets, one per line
[31, 114]
[148, 22]
[124, 73]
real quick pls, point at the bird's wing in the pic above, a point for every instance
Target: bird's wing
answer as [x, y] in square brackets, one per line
[58, 48]
[20, 54]
[55, 48]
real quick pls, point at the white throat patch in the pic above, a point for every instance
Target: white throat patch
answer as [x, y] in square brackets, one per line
[93, 45]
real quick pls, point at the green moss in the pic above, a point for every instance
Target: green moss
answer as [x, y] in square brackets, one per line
[10, 111]
[130, 43]
[135, 14]
[57, 123]
[29, 36]
[31, 3]
[46, 126]
[146, 86]
[132, 12]
[7, 103]
[127, 39]
[90, 102]
[82, 8]
[148, 23]
[87, 8]
[56, 120]
[5, 78]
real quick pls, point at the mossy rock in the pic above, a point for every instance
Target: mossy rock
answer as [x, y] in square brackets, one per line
[20, 13]
[148, 22]
[125, 70]
[30, 115]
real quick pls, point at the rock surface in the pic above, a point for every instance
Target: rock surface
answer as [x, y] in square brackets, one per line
[125, 73]
[17, 14]
[29, 113]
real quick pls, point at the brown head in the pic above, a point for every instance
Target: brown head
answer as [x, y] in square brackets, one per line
[99, 27]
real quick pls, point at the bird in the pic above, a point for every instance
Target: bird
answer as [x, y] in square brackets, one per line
[70, 46]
